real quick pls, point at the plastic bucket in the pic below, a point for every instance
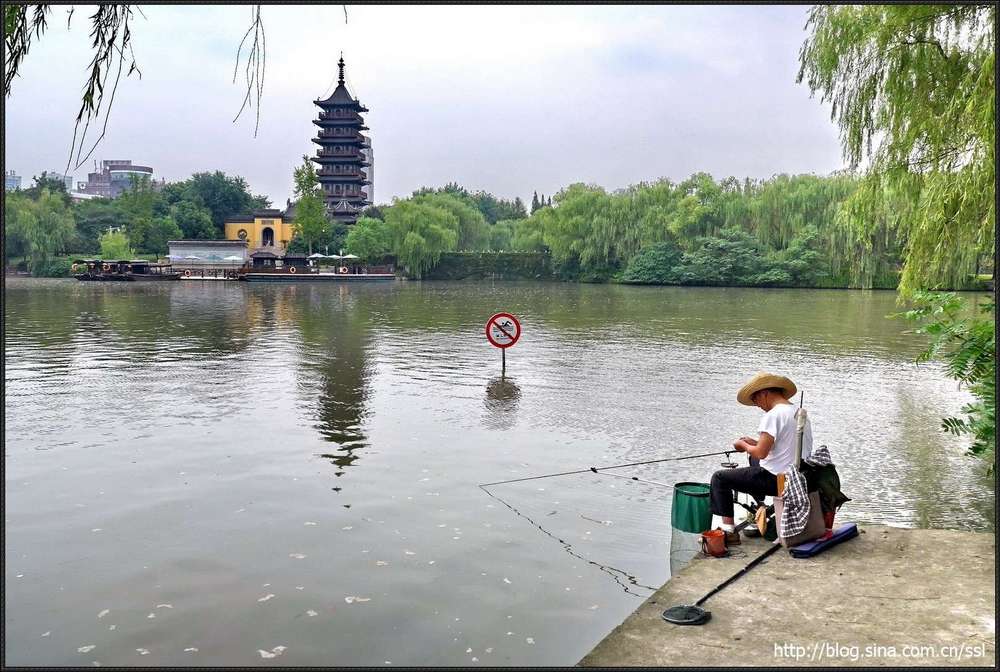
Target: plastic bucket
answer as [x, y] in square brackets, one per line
[691, 511]
[713, 542]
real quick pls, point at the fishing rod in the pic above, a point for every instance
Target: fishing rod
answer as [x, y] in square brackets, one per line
[597, 469]
[695, 614]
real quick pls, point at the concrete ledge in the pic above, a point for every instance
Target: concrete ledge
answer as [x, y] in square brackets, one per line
[869, 601]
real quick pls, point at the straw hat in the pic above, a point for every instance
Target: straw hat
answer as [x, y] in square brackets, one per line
[762, 381]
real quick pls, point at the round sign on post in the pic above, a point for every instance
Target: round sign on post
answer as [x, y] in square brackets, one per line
[502, 331]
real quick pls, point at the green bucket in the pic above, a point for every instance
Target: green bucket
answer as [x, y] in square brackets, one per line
[691, 511]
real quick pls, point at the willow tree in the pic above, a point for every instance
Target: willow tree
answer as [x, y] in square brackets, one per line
[912, 89]
[473, 231]
[420, 233]
[38, 228]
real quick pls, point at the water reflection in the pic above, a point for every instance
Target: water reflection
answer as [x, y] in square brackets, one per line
[334, 358]
[502, 398]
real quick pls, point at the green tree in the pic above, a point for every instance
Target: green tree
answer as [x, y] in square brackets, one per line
[142, 206]
[654, 265]
[733, 258]
[333, 240]
[54, 184]
[420, 234]
[93, 218]
[194, 220]
[502, 234]
[223, 196]
[370, 239]
[160, 231]
[311, 221]
[912, 88]
[493, 209]
[801, 264]
[473, 231]
[37, 229]
[529, 234]
[115, 246]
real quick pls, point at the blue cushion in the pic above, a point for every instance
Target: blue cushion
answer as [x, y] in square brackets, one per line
[811, 548]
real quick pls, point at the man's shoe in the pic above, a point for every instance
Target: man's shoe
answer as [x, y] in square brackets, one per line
[732, 538]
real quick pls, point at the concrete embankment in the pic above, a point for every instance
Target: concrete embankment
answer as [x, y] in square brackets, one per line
[890, 596]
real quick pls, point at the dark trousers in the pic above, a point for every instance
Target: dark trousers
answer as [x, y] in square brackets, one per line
[754, 480]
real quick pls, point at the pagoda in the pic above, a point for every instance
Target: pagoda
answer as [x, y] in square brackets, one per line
[344, 153]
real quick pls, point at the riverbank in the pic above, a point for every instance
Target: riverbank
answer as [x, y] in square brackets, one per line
[861, 603]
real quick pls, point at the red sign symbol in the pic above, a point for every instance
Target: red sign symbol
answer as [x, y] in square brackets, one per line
[503, 330]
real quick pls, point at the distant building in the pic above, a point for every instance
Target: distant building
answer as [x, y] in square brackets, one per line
[114, 177]
[369, 187]
[67, 180]
[269, 228]
[11, 181]
[342, 154]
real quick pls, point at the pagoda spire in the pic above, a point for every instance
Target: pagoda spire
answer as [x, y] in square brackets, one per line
[340, 64]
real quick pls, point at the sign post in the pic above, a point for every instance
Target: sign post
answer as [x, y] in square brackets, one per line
[502, 331]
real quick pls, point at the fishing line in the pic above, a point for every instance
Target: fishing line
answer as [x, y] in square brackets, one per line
[613, 572]
[597, 469]
[635, 478]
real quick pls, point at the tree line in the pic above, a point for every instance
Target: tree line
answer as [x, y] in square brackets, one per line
[786, 230]
[43, 224]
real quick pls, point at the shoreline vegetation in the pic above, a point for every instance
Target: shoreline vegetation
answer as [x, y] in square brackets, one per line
[786, 231]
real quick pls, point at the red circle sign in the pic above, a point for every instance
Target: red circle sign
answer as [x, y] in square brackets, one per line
[503, 330]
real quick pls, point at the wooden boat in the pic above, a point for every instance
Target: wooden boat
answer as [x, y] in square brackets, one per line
[98, 270]
[272, 276]
[145, 271]
[135, 270]
[296, 267]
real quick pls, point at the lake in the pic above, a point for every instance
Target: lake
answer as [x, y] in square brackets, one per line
[238, 474]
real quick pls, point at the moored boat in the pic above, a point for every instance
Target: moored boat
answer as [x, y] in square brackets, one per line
[145, 271]
[98, 270]
[278, 276]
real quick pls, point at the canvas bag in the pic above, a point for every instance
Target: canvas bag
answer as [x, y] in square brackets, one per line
[815, 526]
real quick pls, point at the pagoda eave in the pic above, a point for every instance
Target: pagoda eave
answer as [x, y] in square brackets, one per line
[339, 123]
[345, 140]
[327, 105]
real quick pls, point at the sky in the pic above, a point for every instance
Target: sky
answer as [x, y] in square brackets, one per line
[508, 99]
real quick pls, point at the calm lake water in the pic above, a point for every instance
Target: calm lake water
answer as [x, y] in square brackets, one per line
[199, 473]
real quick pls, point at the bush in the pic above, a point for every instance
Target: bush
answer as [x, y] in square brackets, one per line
[53, 267]
[653, 265]
[732, 259]
[967, 344]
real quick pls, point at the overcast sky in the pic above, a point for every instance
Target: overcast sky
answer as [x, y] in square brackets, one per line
[507, 99]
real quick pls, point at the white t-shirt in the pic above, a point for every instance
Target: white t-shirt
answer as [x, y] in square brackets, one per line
[779, 422]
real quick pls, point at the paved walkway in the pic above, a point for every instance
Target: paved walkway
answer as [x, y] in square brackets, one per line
[890, 596]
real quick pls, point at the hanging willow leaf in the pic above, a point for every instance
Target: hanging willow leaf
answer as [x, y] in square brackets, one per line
[912, 88]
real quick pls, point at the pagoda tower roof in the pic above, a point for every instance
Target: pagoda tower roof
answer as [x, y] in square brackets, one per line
[340, 95]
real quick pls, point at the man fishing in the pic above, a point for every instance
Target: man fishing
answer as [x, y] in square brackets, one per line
[771, 453]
